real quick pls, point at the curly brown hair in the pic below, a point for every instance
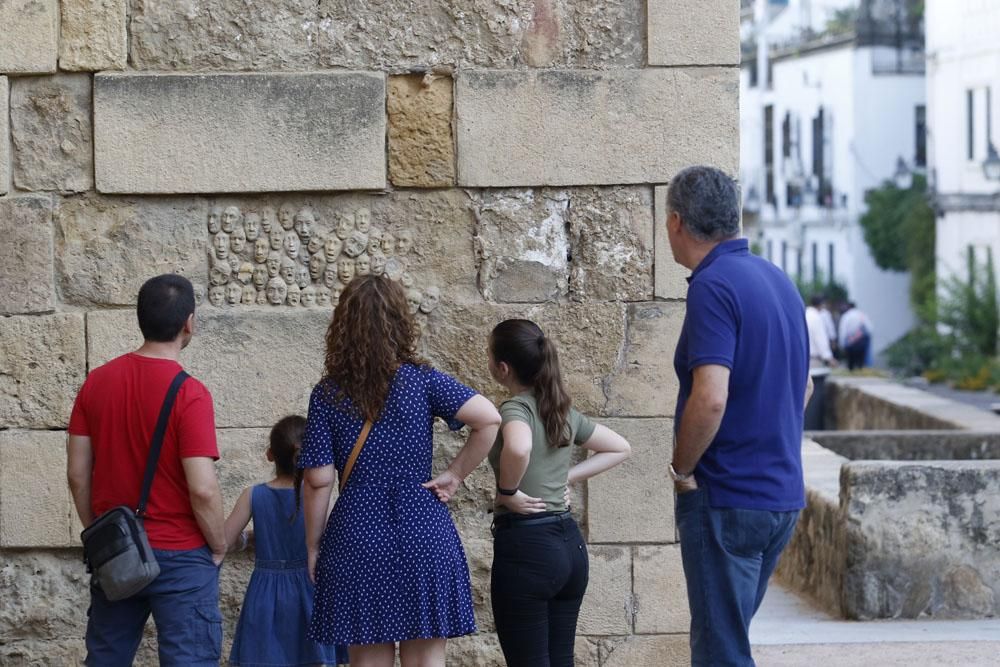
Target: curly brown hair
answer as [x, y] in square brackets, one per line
[372, 334]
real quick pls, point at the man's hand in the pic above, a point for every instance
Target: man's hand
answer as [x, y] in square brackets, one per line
[217, 558]
[521, 503]
[686, 486]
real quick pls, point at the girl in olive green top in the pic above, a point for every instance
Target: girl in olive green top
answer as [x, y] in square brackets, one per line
[540, 566]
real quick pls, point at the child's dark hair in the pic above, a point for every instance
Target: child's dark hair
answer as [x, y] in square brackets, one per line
[533, 358]
[284, 442]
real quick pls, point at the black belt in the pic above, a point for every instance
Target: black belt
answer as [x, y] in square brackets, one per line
[529, 520]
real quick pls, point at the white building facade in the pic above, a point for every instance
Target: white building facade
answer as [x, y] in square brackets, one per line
[963, 85]
[827, 116]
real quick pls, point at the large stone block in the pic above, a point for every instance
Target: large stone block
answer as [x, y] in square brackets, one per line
[260, 365]
[242, 460]
[44, 612]
[693, 32]
[42, 362]
[26, 272]
[635, 501]
[650, 651]
[31, 35]
[645, 384]
[93, 35]
[421, 145]
[4, 132]
[35, 503]
[51, 132]
[239, 132]
[578, 127]
[108, 246]
[478, 650]
[660, 590]
[669, 276]
[608, 606]
[395, 35]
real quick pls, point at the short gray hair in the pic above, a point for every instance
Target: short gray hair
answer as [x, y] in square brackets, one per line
[707, 202]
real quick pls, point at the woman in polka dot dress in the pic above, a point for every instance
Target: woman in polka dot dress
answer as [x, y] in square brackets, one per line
[389, 566]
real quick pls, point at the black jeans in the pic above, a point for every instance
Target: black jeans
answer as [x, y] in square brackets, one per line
[540, 572]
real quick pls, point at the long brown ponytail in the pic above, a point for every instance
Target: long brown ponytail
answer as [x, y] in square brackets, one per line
[533, 357]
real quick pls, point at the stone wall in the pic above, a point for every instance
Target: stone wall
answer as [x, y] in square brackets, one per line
[911, 445]
[498, 158]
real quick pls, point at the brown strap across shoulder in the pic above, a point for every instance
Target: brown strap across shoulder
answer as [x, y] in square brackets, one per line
[349, 466]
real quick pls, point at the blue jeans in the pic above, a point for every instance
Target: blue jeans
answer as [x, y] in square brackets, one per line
[728, 556]
[184, 601]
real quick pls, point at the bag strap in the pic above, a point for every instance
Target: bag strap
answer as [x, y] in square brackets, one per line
[157, 444]
[349, 466]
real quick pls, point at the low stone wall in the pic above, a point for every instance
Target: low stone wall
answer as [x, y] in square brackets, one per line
[911, 445]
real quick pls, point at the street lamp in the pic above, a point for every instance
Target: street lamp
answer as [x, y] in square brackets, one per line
[991, 167]
[903, 178]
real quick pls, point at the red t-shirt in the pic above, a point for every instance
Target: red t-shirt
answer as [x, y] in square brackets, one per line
[117, 408]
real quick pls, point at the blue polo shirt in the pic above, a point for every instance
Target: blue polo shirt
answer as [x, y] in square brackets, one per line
[745, 314]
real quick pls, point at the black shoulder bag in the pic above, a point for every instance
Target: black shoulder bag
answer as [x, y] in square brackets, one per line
[115, 547]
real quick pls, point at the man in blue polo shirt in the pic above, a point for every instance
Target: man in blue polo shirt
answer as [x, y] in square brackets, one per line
[743, 364]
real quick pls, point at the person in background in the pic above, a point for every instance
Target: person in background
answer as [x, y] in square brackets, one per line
[820, 353]
[830, 325]
[855, 337]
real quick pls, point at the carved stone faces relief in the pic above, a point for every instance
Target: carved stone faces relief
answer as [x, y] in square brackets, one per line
[309, 296]
[287, 271]
[261, 247]
[234, 293]
[221, 244]
[378, 263]
[355, 244]
[249, 295]
[251, 225]
[315, 244]
[404, 242]
[276, 236]
[217, 295]
[363, 265]
[273, 264]
[294, 295]
[413, 299]
[215, 220]
[345, 226]
[304, 221]
[291, 245]
[238, 240]
[301, 276]
[277, 290]
[230, 219]
[323, 296]
[332, 248]
[345, 270]
[374, 241]
[268, 218]
[286, 216]
[363, 220]
[260, 276]
[432, 297]
[317, 265]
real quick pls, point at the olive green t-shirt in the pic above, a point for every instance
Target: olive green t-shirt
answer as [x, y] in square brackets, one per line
[549, 467]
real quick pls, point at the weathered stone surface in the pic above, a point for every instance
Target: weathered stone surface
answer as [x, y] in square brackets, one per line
[51, 132]
[650, 651]
[93, 35]
[645, 384]
[259, 364]
[590, 337]
[619, 501]
[4, 132]
[242, 460]
[693, 32]
[587, 652]
[591, 128]
[911, 445]
[41, 368]
[31, 36]
[35, 503]
[26, 272]
[670, 277]
[607, 607]
[392, 36]
[109, 246]
[239, 132]
[479, 650]
[421, 145]
[660, 590]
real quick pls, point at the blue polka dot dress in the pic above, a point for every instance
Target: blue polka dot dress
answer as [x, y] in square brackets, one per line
[391, 565]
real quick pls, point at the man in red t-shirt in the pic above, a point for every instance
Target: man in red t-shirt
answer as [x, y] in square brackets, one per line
[110, 433]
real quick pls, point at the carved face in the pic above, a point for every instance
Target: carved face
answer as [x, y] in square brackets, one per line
[345, 270]
[363, 220]
[315, 244]
[323, 296]
[377, 264]
[276, 237]
[277, 290]
[332, 248]
[317, 265]
[432, 296]
[217, 295]
[245, 273]
[363, 265]
[406, 280]
[221, 245]
[413, 299]
[304, 221]
[355, 244]
[301, 276]
[330, 275]
[234, 264]
[199, 294]
[345, 226]
[291, 244]
[374, 241]
[262, 297]
[267, 219]
[219, 273]
[249, 295]
[234, 293]
[309, 296]
[404, 244]
[214, 220]
[273, 264]
[238, 240]
[287, 271]
[294, 295]
[230, 219]
[335, 293]
[251, 225]
[260, 277]
[388, 244]
[286, 216]
[260, 249]
[394, 269]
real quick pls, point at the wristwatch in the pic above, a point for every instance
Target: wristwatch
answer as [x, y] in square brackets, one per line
[506, 492]
[678, 477]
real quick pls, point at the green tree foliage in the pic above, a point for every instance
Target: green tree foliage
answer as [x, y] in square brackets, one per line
[968, 308]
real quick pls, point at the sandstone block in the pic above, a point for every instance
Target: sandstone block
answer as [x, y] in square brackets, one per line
[242, 460]
[421, 145]
[607, 607]
[586, 652]
[108, 246]
[259, 364]
[693, 32]
[650, 651]
[93, 35]
[478, 650]
[645, 384]
[4, 132]
[26, 272]
[635, 501]
[31, 36]
[392, 36]
[670, 277]
[51, 133]
[239, 132]
[660, 590]
[42, 366]
[578, 127]
[35, 503]
[46, 595]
